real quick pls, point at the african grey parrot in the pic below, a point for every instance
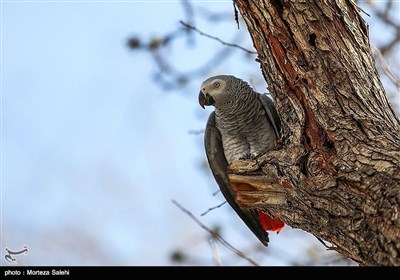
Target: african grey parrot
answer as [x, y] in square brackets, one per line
[244, 124]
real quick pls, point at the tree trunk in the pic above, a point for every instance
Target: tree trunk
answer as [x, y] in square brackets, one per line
[336, 172]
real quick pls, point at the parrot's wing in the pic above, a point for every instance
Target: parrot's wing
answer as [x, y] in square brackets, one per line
[218, 164]
[273, 116]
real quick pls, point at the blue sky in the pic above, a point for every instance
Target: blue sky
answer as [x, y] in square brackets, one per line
[93, 151]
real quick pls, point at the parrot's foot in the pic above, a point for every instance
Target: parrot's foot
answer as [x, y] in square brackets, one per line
[248, 156]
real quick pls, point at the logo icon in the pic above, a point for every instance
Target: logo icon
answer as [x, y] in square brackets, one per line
[9, 256]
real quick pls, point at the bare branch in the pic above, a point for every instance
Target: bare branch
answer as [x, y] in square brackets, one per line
[189, 13]
[385, 49]
[214, 234]
[196, 132]
[216, 192]
[395, 80]
[186, 25]
[171, 78]
[167, 75]
[388, 20]
[188, 9]
[212, 208]
[215, 252]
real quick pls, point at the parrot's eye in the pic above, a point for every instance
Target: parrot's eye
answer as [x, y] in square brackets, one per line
[216, 84]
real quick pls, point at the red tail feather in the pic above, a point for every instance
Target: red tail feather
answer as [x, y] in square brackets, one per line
[269, 224]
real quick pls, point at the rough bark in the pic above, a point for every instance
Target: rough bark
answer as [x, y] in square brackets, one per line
[336, 173]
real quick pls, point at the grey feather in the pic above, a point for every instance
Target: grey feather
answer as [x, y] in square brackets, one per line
[218, 165]
[273, 116]
[245, 123]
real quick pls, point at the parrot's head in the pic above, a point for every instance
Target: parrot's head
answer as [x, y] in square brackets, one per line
[222, 90]
[214, 90]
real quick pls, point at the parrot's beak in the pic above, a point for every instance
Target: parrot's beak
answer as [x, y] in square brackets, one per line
[202, 99]
[205, 100]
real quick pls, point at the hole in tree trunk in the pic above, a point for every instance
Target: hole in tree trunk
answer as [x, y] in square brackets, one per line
[278, 6]
[312, 39]
[329, 144]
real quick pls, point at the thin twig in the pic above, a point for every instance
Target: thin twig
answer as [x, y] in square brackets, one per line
[215, 252]
[212, 208]
[386, 68]
[215, 38]
[196, 132]
[188, 10]
[389, 20]
[214, 234]
[189, 13]
[216, 192]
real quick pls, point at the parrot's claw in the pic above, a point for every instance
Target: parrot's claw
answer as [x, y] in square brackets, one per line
[248, 156]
